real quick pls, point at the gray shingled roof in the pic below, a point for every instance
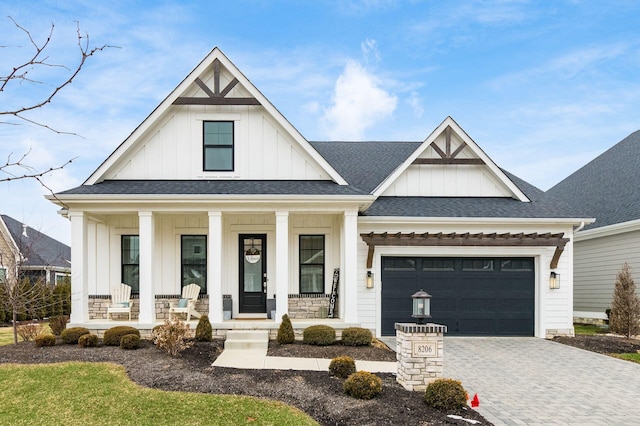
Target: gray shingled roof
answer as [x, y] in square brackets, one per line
[215, 187]
[38, 248]
[608, 187]
[365, 164]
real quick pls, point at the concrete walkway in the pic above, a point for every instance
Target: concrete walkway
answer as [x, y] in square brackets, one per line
[538, 382]
[256, 359]
[248, 349]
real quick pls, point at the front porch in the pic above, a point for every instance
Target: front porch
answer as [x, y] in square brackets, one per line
[220, 329]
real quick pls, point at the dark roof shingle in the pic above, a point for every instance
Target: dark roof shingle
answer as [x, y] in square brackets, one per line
[608, 187]
[38, 249]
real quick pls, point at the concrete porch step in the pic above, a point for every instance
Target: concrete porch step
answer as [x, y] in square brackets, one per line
[247, 340]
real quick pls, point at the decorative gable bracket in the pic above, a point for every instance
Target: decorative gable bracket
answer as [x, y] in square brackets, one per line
[215, 96]
[446, 156]
[466, 240]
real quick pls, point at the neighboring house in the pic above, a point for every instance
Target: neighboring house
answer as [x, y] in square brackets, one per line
[216, 187]
[32, 254]
[607, 188]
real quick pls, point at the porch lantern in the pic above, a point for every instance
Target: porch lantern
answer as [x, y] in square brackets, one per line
[252, 255]
[369, 279]
[554, 281]
[421, 306]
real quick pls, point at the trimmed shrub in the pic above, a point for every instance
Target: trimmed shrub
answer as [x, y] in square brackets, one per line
[130, 341]
[356, 336]
[88, 341]
[363, 385]
[204, 331]
[71, 335]
[285, 331]
[45, 340]
[342, 366]
[319, 335]
[58, 323]
[171, 336]
[445, 394]
[113, 335]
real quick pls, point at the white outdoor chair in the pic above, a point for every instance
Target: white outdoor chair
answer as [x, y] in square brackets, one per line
[120, 301]
[187, 304]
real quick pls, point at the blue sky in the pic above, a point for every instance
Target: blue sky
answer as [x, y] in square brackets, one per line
[542, 87]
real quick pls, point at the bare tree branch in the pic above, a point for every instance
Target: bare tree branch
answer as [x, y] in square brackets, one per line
[39, 58]
[23, 73]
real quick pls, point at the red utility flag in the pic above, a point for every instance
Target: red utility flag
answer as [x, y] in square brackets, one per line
[475, 402]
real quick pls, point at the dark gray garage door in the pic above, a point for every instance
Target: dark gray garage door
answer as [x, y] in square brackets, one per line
[471, 296]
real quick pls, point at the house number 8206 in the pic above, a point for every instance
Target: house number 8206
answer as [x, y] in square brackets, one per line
[424, 349]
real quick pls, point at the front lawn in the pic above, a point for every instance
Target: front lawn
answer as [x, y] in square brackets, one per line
[75, 393]
[635, 357]
[588, 329]
[6, 336]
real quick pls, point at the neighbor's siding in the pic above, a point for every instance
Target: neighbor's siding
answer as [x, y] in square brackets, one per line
[597, 263]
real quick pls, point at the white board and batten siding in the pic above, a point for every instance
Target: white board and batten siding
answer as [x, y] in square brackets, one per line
[597, 263]
[173, 147]
[448, 180]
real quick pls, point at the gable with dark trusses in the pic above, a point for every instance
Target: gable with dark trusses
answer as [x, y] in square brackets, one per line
[366, 164]
[608, 187]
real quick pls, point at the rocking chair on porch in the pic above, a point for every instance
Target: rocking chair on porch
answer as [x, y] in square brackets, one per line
[120, 301]
[187, 304]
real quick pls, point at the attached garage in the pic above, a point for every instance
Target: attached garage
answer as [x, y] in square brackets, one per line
[471, 296]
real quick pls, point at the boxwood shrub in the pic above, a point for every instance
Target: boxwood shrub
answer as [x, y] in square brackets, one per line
[445, 394]
[113, 335]
[356, 336]
[71, 335]
[320, 335]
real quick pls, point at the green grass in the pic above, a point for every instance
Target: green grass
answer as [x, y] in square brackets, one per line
[76, 393]
[6, 336]
[588, 329]
[635, 357]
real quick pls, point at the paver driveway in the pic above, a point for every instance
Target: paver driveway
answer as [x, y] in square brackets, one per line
[526, 380]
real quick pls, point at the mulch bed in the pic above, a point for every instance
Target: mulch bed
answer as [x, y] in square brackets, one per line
[316, 393]
[601, 343]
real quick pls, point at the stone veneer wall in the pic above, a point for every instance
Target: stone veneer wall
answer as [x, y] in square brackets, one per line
[415, 370]
[98, 307]
[308, 306]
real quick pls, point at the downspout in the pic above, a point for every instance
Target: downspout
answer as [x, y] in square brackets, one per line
[579, 228]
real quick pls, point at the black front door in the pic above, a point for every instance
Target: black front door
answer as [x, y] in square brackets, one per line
[253, 274]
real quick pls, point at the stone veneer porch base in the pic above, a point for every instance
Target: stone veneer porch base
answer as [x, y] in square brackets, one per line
[99, 326]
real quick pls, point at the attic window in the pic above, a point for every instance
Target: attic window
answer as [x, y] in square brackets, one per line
[218, 146]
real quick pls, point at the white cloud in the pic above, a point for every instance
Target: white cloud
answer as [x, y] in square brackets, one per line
[359, 102]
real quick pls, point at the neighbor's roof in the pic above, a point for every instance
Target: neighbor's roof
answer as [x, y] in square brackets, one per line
[38, 249]
[607, 188]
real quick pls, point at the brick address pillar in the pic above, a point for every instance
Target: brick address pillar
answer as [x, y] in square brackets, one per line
[420, 354]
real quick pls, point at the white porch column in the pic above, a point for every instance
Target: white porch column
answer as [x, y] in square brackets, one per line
[147, 237]
[79, 268]
[282, 264]
[214, 268]
[349, 271]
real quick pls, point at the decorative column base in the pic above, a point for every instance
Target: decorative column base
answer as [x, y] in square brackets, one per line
[420, 354]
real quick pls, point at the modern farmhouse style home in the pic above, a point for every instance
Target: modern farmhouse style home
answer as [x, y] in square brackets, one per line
[215, 187]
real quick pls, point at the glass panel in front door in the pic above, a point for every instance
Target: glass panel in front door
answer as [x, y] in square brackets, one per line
[253, 265]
